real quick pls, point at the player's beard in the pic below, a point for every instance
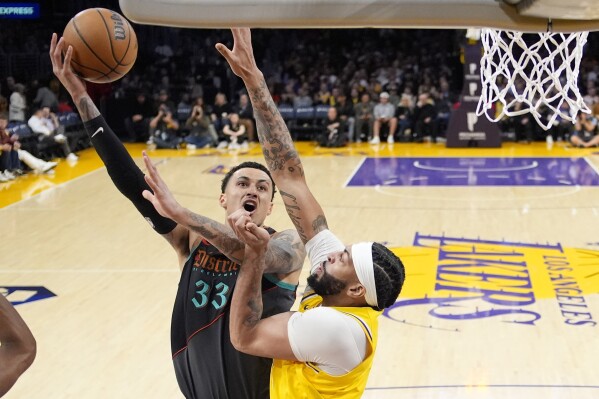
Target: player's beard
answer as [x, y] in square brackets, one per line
[326, 285]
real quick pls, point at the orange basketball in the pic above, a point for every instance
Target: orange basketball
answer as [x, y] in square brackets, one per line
[104, 45]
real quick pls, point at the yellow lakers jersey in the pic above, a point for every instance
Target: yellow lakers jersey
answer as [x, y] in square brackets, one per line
[295, 380]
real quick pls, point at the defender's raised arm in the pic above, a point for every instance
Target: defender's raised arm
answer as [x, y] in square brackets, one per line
[279, 152]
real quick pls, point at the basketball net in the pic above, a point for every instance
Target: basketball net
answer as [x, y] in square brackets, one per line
[520, 75]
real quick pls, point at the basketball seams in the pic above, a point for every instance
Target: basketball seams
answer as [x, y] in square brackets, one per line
[109, 37]
[89, 68]
[93, 48]
[103, 75]
[128, 43]
[87, 44]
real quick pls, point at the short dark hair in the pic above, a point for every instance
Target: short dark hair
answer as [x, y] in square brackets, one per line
[389, 275]
[243, 165]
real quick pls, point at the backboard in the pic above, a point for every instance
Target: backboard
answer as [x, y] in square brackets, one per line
[521, 15]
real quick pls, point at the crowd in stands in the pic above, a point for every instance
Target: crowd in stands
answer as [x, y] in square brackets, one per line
[333, 86]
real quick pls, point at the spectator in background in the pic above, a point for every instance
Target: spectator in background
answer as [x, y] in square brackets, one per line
[345, 110]
[384, 115]
[443, 106]
[334, 134]
[137, 123]
[183, 108]
[523, 127]
[591, 98]
[424, 119]
[236, 133]
[561, 128]
[18, 104]
[201, 131]
[164, 100]
[63, 104]
[45, 124]
[403, 114]
[393, 96]
[354, 96]
[164, 128]
[46, 98]
[10, 167]
[585, 131]
[220, 112]
[246, 116]
[323, 95]
[364, 111]
[12, 155]
[302, 99]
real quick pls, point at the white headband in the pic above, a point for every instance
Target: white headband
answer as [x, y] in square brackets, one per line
[362, 256]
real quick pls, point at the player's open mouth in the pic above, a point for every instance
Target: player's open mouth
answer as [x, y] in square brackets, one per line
[250, 206]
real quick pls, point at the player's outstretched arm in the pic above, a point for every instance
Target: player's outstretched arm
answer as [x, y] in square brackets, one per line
[17, 346]
[279, 152]
[285, 251]
[123, 171]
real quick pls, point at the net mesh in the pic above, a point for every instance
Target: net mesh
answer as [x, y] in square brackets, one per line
[531, 73]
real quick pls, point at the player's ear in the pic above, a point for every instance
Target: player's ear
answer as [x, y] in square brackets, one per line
[222, 200]
[356, 291]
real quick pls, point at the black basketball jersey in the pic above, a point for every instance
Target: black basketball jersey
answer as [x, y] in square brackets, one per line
[206, 363]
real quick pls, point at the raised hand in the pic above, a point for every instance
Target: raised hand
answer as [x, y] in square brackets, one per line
[241, 57]
[162, 198]
[63, 71]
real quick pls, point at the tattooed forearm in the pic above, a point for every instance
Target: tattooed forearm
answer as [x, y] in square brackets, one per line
[277, 146]
[246, 304]
[87, 109]
[255, 307]
[219, 235]
[294, 212]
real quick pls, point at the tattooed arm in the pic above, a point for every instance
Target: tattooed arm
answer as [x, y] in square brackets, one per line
[277, 147]
[121, 168]
[249, 332]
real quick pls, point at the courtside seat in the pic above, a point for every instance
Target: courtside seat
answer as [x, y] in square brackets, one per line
[321, 112]
[303, 125]
[287, 112]
[30, 142]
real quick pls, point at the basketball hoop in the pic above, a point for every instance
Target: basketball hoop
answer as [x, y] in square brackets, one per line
[539, 77]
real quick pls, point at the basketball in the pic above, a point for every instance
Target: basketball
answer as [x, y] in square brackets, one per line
[104, 45]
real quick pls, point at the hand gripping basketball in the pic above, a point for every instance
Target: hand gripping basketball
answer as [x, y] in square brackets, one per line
[104, 45]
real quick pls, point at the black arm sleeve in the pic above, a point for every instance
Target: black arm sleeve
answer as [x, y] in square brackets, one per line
[125, 174]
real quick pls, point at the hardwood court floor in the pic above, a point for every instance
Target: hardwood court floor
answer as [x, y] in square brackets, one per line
[501, 248]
